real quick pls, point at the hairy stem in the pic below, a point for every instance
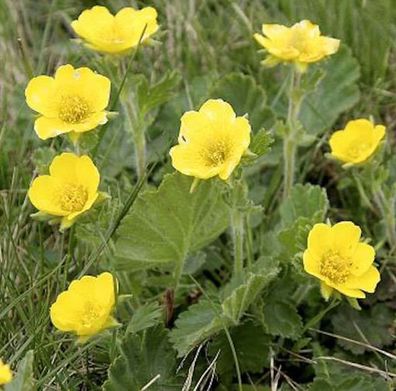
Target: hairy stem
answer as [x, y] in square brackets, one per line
[237, 227]
[289, 143]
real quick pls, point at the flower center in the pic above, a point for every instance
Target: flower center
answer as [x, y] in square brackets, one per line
[335, 267]
[357, 149]
[92, 313]
[73, 197]
[216, 154]
[73, 110]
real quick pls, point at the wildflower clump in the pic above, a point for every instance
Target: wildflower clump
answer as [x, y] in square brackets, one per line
[356, 143]
[73, 101]
[211, 141]
[340, 261]
[5, 373]
[86, 307]
[300, 44]
[70, 189]
[115, 34]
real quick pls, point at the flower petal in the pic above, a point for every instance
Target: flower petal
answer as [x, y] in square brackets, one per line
[346, 236]
[39, 95]
[366, 281]
[188, 161]
[51, 127]
[362, 259]
[43, 194]
[320, 239]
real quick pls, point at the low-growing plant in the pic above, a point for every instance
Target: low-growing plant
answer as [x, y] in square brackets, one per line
[177, 217]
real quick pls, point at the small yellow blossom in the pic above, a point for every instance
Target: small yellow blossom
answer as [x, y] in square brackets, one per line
[342, 263]
[73, 101]
[70, 189]
[86, 307]
[5, 373]
[357, 142]
[211, 141]
[300, 44]
[118, 33]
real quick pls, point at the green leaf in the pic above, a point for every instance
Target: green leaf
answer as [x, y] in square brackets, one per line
[193, 326]
[282, 319]
[143, 357]
[241, 297]
[251, 346]
[144, 318]
[246, 97]
[306, 206]
[307, 201]
[205, 319]
[170, 223]
[261, 142]
[152, 96]
[321, 385]
[23, 380]
[336, 93]
[369, 326]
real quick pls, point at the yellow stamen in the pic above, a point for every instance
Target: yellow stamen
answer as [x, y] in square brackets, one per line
[73, 197]
[335, 267]
[216, 154]
[74, 109]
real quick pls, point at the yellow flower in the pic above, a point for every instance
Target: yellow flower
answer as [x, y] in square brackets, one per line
[107, 33]
[73, 101]
[300, 44]
[86, 307]
[69, 190]
[340, 261]
[211, 141]
[357, 142]
[5, 373]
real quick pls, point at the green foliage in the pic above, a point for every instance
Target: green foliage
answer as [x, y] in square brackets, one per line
[251, 345]
[282, 319]
[144, 317]
[337, 90]
[246, 97]
[23, 381]
[339, 378]
[207, 318]
[151, 96]
[193, 326]
[371, 327]
[144, 357]
[168, 224]
[307, 205]
[261, 142]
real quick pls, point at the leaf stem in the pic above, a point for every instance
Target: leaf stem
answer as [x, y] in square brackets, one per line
[289, 143]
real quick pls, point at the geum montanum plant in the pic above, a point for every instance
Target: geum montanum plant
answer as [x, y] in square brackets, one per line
[157, 247]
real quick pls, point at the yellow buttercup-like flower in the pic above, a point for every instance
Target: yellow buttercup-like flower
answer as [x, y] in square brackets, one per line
[5, 373]
[73, 101]
[357, 142]
[69, 190]
[342, 263]
[86, 307]
[300, 44]
[211, 141]
[118, 33]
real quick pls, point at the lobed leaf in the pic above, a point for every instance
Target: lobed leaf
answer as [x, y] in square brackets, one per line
[170, 223]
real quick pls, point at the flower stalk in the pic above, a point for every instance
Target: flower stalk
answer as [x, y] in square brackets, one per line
[291, 136]
[237, 221]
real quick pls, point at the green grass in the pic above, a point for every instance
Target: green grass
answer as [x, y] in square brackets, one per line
[202, 41]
